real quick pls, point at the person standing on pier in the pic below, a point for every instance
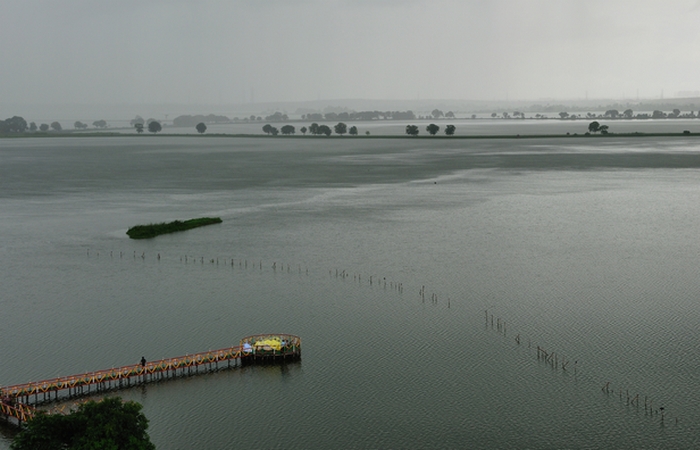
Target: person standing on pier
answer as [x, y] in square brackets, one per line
[143, 361]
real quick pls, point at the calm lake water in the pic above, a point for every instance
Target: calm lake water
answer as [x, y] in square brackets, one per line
[586, 248]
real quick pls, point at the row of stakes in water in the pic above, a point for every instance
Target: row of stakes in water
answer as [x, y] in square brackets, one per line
[556, 361]
[372, 280]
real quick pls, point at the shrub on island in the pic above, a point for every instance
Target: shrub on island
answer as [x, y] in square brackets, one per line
[155, 229]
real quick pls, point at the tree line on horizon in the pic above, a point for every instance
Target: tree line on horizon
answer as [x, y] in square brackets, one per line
[18, 124]
[314, 129]
[432, 129]
[610, 114]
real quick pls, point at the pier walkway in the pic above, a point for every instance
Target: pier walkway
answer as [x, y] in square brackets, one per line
[17, 401]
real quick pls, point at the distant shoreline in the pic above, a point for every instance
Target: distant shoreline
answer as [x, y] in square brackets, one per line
[363, 137]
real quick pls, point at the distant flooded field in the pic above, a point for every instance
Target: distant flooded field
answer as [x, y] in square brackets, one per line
[481, 294]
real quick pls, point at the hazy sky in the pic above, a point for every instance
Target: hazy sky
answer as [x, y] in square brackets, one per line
[231, 51]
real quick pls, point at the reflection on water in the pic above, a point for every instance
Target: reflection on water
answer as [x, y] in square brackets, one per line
[383, 257]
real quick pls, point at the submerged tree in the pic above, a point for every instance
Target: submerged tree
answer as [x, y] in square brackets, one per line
[412, 130]
[594, 126]
[303, 130]
[353, 130]
[201, 127]
[44, 127]
[450, 130]
[432, 129]
[341, 128]
[56, 126]
[324, 129]
[154, 126]
[288, 129]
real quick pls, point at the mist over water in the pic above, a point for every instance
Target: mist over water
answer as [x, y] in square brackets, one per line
[587, 249]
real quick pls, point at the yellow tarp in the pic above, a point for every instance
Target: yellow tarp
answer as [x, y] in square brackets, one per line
[272, 343]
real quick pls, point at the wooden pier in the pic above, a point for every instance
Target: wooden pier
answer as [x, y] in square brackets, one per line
[18, 401]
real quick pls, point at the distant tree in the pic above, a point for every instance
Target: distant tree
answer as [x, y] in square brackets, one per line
[676, 112]
[506, 115]
[107, 424]
[99, 124]
[139, 128]
[154, 126]
[450, 130]
[15, 124]
[313, 129]
[412, 130]
[628, 114]
[78, 125]
[331, 116]
[658, 114]
[267, 128]
[612, 113]
[324, 129]
[340, 128]
[303, 130]
[201, 127]
[594, 127]
[603, 129]
[449, 115]
[473, 116]
[56, 126]
[32, 127]
[274, 131]
[432, 129]
[137, 119]
[436, 113]
[563, 114]
[353, 131]
[288, 129]
[44, 127]
[493, 115]
[277, 117]
[401, 115]
[366, 133]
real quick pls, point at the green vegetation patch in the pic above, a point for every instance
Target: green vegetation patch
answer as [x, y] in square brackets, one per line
[155, 229]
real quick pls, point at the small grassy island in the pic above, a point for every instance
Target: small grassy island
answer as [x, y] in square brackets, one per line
[155, 229]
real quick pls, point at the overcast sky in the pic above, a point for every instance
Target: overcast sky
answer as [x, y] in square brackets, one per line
[232, 51]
